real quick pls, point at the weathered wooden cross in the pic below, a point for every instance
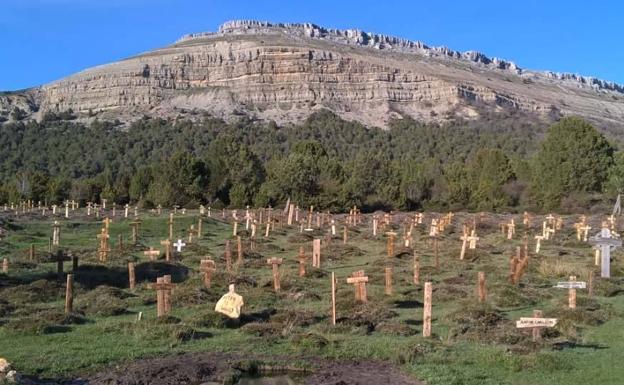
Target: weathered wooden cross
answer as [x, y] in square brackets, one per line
[207, 267]
[275, 262]
[359, 280]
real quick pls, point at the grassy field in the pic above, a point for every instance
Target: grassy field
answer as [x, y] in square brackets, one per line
[472, 343]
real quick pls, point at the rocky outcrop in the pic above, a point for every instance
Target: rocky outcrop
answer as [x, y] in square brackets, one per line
[284, 72]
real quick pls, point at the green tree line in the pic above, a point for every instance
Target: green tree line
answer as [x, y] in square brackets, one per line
[511, 162]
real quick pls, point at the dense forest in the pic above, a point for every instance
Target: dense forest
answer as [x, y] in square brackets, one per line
[503, 162]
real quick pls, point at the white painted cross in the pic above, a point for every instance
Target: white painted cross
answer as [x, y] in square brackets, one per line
[179, 245]
[605, 242]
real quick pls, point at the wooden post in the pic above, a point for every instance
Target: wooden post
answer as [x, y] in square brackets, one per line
[537, 332]
[239, 250]
[481, 287]
[316, 253]
[69, 294]
[5, 266]
[228, 256]
[590, 284]
[31, 253]
[390, 245]
[345, 235]
[427, 310]
[388, 288]
[572, 295]
[131, 276]
[302, 260]
[167, 244]
[333, 289]
[167, 294]
[160, 297]
[170, 223]
[275, 262]
[416, 270]
[436, 253]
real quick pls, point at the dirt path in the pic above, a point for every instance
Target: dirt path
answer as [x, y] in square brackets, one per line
[196, 369]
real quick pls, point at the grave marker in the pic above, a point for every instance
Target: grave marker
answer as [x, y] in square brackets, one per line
[168, 249]
[230, 304]
[427, 310]
[316, 253]
[302, 260]
[605, 242]
[131, 276]
[333, 297]
[359, 280]
[69, 294]
[275, 262]
[152, 254]
[179, 245]
[481, 290]
[5, 266]
[388, 287]
[536, 323]
[207, 267]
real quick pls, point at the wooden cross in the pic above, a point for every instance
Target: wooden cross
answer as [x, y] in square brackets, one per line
[359, 280]
[168, 249]
[536, 324]
[163, 289]
[302, 261]
[511, 229]
[135, 230]
[152, 254]
[103, 249]
[538, 243]
[207, 267]
[56, 234]
[107, 221]
[275, 262]
[464, 239]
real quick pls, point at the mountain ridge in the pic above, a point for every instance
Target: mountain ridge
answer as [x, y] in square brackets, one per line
[286, 71]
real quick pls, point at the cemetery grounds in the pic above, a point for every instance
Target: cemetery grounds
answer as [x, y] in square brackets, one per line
[471, 342]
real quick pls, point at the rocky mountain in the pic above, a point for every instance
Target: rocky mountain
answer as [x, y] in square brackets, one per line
[283, 72]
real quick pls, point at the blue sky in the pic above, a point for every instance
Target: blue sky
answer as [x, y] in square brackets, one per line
[44, 40]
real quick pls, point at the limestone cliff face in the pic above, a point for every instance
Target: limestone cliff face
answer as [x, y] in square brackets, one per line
[285, 72]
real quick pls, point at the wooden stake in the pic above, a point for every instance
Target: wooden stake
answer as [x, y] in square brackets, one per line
[537, 332]
[333, 288]
[131, 276]
[239, 250]
[427, 310]
[388, 289]
[275, 262]
[167, 294]
[69, 294]
[5, 266]
[572, 295]
[416, 271]
[31, 253]
[160, 297]
[228, 256]
[481, 287]
[590, 284]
